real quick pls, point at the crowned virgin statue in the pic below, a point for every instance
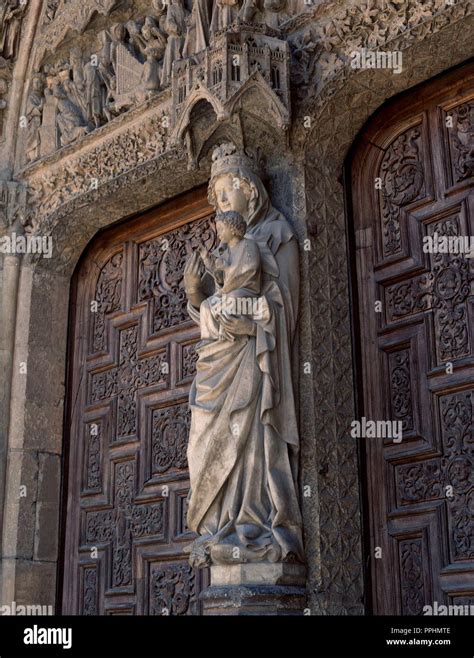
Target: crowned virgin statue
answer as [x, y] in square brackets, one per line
[243, 443]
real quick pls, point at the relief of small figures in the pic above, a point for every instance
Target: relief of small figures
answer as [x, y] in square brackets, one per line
[132, 62]
[11, 15]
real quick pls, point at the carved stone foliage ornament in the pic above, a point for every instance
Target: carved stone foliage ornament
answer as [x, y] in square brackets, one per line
[105, 162]
[12, 205]
[243, 419]
[322, 48]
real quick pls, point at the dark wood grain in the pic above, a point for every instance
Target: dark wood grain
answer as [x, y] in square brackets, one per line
[128, 419]
[426, 323]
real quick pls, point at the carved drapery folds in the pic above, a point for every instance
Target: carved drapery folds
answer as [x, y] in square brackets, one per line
[244, 366]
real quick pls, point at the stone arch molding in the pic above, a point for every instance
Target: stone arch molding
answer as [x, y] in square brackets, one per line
[136, 167]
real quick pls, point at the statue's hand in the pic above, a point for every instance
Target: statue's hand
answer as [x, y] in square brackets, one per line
[240, 326]
[192, 274]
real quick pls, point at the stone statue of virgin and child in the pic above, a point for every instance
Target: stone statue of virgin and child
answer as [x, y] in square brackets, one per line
[243, 444]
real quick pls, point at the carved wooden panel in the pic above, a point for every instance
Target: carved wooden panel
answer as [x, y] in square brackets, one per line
[133, 359]
[416, 321]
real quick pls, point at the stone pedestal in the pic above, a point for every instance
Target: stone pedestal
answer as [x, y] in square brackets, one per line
[256, 589]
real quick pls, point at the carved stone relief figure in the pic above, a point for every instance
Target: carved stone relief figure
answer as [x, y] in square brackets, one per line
[34, 114]
[95, 94]
[270, 12]
[11, 14]
[155, 39]
[69, 118]
[5, 78]
[175, 27]
[198, 32]
[50, 11]
[225, 12]
[274, 12]
[155, 50]
[136, 42]
[48, 132]
[244, 442]
[74, 84]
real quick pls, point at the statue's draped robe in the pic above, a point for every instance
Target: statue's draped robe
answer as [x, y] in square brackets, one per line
[244, 441]
[197, 37]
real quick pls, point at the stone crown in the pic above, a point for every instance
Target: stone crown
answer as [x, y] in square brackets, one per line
[226, 156]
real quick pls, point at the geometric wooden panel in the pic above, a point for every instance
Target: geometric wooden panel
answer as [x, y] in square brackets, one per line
[133, 360]
[413, 181]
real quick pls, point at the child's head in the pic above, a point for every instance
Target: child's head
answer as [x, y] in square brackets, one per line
[230, 223]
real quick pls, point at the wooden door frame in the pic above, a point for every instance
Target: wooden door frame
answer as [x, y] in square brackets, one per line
[408, 102]
[183, 209]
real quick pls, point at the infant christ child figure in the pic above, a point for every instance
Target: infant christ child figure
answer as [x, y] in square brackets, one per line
[236, 268]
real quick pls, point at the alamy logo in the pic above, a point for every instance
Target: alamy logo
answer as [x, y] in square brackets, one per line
[235, 306]
[15, 610]
[377, 59]
[38, 635]
[449, 244]
[448, 610]
[26, 244]
[377, 429]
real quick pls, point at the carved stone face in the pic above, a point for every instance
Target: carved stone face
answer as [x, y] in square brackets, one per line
[232, 193]
[37, 84]
[224, 232]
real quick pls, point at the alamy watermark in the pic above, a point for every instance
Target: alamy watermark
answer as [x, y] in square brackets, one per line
[229, 305]
[40, 635]
[377, 59]
[26, 244]
[449, 244]
[16, 610]
[377, 429]
[447, 610]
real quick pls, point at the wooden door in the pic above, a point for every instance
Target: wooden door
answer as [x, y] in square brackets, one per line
[132, 363]
[412, 178]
